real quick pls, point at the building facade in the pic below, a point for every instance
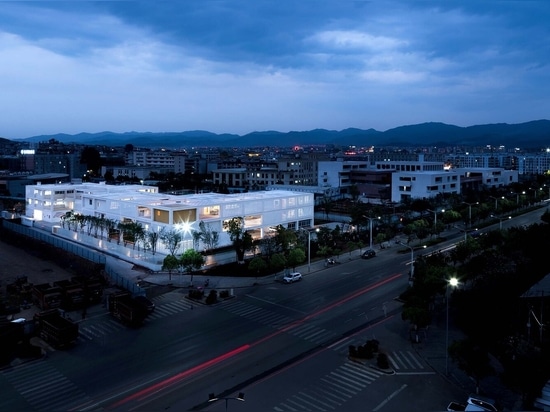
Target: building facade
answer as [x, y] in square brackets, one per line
[261, 211]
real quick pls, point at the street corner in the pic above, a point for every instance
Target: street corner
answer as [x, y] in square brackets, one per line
[373, 364]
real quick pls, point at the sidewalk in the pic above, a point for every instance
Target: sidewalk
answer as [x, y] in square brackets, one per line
[163, 278]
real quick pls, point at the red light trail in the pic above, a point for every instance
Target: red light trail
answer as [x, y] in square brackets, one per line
[182, 375]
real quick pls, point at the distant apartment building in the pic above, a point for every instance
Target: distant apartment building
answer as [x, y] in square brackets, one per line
[135, 173]
[166, 160]
[163, 159]
[534, 164]
[483, 160]
[68, 163]
[258, 174]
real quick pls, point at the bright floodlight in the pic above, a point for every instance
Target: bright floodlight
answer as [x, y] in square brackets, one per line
[453, 281]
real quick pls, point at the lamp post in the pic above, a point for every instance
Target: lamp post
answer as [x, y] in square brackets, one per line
[370, 228]
[412, 259]
[501, 219]
[214, 398]
[470, 211]
[453, 282]
[309, 249]
[435, 215]
[496, 202]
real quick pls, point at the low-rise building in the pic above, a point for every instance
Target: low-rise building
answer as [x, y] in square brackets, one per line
[261, 211]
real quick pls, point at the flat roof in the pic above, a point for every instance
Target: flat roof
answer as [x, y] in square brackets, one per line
[138, 194]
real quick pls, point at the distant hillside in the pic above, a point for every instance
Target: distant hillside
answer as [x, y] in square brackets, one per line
[532, 134]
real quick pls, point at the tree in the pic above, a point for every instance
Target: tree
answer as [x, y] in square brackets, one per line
[277, 262]
[472, 358]
[327, 205]
[207, 235]
[190, 261]
[171, 239]
[257, 265]
[268, 245]
[170, 263]
[295, 257]
[284, 238]
[354, 192]
[242, 240]
[153, 237]
[324, 237]
[91, 157]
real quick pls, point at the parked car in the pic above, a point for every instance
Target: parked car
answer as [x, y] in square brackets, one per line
[369, 253]
[480, 403]
[456, 407]
[292, 277]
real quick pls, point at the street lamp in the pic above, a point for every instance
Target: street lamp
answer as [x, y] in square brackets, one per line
[501, 219]
[370, 227]
[453, 282]
[470, 210]
[435, 215]
[412, 259]
[309, 249]
[496, 201]
[214, 398]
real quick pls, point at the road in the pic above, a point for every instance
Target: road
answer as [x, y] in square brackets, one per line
[282, 345]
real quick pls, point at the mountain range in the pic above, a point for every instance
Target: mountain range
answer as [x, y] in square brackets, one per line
[533, 134]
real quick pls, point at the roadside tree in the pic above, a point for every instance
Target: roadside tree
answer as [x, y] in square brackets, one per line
[191, 261]
[242, 240]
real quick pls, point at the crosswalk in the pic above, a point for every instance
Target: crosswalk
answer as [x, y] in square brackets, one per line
[401, 361]
[100, 330]
[331, 391]
[43, 387]
[302, 330]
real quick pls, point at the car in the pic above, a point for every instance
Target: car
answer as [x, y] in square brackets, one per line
[480, 403]
[292, 277]
[369, 253]
[145, 303]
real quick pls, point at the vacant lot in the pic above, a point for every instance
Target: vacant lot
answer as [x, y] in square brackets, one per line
[16, 262]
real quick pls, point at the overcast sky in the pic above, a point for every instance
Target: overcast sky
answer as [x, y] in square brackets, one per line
[237, 66]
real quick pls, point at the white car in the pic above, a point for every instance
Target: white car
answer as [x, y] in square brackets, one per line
[292, 277]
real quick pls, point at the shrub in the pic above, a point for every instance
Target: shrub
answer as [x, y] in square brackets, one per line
[372, 345]
[196, 294]
[224, 294]
[382, 361]
[212, 297]
[352, 351]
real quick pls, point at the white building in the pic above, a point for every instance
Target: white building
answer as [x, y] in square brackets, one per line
[536, 164]
[423, 184]
[337, 173]
[487, 176]
[261, 211]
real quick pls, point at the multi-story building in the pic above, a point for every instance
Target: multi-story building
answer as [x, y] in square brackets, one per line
[132, 172]
[480, 160]
[479, 177]
[155, 211]
[68, 163]
[423, 184]
[533, 164]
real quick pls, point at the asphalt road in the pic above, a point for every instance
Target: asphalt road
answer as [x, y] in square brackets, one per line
[278, 343]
